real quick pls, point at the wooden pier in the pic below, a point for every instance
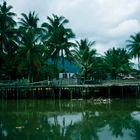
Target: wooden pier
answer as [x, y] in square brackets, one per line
[43, 90]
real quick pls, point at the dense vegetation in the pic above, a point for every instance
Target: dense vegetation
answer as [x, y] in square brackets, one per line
[33, 51]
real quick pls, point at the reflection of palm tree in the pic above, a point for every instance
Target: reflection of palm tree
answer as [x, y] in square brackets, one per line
[135, 130]
[86, 129]
[92, 125]
[118, 121]
[44, 125]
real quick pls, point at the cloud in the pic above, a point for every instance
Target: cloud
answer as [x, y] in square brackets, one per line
[103, 47]
[124, 29]
[109, 22]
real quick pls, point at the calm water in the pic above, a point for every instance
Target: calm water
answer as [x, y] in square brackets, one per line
[69, 120]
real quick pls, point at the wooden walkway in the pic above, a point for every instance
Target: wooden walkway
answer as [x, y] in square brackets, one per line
[47, 84]
[105, 89]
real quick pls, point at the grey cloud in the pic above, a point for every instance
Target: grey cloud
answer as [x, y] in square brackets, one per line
[109, 22]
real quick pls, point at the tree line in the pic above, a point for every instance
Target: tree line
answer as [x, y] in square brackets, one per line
[33, 51]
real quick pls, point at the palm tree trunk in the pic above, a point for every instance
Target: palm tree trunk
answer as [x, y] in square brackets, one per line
[62, 57]
[30, 77]
[55, 68]
[2, 44]
[85, 75]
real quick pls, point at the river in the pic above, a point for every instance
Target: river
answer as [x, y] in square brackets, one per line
[70, 120]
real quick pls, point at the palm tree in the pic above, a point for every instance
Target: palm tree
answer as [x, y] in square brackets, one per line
[84, 57]
[61, 44]
[98, 69]
[30, 52]
[31, 49]
[7, 24]
[8, 38]
[54, 24]
[57, 37]
[116, 61]
[29, 21]
[134, 46]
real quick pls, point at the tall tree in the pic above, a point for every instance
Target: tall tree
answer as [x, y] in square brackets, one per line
[116, 61]
[134, 46]
[84, 57]
[7, 25]
[57, 37]
[30, 52]
[8, 38]
[98, 68]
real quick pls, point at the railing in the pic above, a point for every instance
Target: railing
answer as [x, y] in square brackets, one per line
[134, 81]
[44, 83]
[66, 82]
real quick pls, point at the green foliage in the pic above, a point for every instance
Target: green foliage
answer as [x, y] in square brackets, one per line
[99, 71]
[29, 21]
[116, 61]
[8, 40]
[84, 57]
[46, 72]
[26, 48]
[57, 36]
[7, 24]
[30, 51]
[134, 46]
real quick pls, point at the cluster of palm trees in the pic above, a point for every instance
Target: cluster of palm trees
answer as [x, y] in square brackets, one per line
[30, 50]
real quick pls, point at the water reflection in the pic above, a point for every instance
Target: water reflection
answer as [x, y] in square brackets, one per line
[69, 120]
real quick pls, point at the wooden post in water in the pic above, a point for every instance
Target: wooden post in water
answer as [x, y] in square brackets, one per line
[6, 94]
[17, 93]
[83, 91]
[53, 93]
[59, 93]
[137, 91]
[108, 90]
[122, 92]
[71, 93]
[0, 93]
[25, 93]
[40, 92]
[3, 91]
[33, 92]
[17, 97]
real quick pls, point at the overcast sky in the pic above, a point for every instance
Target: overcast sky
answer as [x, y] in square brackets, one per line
[108, 22]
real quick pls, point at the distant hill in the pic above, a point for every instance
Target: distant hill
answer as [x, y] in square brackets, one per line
[69, 67]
